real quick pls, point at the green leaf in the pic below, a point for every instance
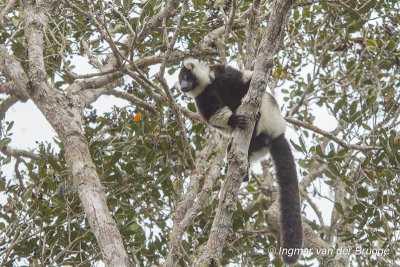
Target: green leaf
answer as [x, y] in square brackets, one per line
[298, 148]
[296, 14]
[303, 146]
[53, 163]
[333, 169]
[362, 192]
[318, 149]
[376, 224]
[356, 26]
[339, 207]
[366, 161]
[10, 125]
[5, 141]
[325, 60]
[2, 184]
[6, 160]
[353, 107]
[370, 42]
[358, 208]
[338, 105]
[50, 183]
[117, 155]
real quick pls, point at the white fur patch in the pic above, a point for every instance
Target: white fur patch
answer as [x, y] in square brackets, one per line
[195, 92]
[271, 121]
[220, 120]
[256, 156]
[177, 85]
[246, 75]
[203, 74]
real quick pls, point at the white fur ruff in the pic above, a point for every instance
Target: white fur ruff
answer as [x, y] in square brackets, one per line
[271, 121]
[246, 75]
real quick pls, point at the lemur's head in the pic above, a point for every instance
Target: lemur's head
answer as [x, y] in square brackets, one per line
[194, 77]
[187, 80]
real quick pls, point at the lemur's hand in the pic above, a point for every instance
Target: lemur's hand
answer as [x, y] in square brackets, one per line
[238, 121]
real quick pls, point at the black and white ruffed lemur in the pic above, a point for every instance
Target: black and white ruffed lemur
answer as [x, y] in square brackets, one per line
[218, 91]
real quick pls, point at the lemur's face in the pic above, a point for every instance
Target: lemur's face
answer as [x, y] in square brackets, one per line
[187, 80]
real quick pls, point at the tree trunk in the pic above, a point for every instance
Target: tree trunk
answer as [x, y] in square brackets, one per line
[65, 115]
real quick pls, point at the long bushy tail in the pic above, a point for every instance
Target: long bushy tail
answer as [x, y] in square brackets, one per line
[291, 226]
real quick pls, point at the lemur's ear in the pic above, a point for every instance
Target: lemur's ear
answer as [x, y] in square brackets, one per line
[190, 63]
[190, 66]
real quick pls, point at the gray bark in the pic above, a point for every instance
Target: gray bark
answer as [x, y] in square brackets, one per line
[64, 113]
[237, 157]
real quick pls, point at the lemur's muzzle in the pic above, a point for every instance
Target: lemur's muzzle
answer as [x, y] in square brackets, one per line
[186, 86]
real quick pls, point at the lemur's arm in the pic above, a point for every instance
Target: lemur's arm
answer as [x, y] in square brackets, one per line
[224, 118]
[219, 115]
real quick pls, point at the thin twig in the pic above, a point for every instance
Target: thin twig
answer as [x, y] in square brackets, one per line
[330, 136]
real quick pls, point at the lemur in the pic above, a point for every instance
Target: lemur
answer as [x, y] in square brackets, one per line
[218, 91]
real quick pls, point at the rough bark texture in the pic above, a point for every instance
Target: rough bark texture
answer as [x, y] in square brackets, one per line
[241, 138]
[193, 201]
[65, 115]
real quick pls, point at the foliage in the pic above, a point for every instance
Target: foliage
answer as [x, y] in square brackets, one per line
[342, 56]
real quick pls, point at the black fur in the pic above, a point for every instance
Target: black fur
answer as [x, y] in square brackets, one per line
[238, 121]
[226, 89]
[291, 226]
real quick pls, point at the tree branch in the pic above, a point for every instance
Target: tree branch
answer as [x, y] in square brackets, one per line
[6, 104]
[102, 80]
[251, 33]
[12, 69]
[187, 209]
[330, 136]
[312, 175]
[160, 76]
[175, 57]
[64, 113]
[9, 6]
[314, 207]
[237, 24]
[156, 20]
[310, 2]
[92, 95]
[16, 153]
[238, 155]
[177, 111]
[190, 114]
[228, 29]
[311, 239]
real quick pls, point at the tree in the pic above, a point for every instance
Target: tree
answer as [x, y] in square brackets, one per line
[145, 184]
